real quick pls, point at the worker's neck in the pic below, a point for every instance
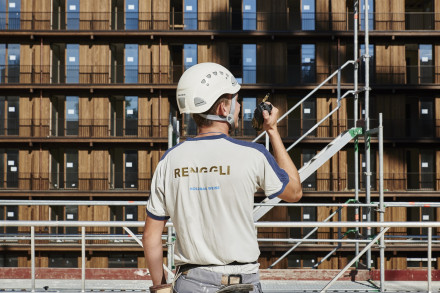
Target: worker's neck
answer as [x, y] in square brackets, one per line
[215, 129]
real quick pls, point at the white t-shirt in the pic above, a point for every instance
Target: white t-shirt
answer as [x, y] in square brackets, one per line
[207, 186]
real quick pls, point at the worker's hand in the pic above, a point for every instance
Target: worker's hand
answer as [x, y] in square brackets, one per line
[270, 120]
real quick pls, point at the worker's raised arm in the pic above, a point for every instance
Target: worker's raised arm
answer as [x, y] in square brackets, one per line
[293, 190]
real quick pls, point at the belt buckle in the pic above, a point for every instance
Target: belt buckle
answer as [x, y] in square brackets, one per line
[234, 279]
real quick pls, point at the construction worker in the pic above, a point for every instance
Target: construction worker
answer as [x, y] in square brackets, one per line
[206, 185]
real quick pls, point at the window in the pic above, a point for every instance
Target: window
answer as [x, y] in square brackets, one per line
[131, 169]
[249, 63]
[132, 15]
[73, 14]
[420, 214]
[8, 260]
[426, 64]
[122, 260]
[2, 62]
[190, 15]
[10, 165]
[370, 14]
[131, 115]
[308, 15]
[310, 182]
[308, 116]
[302, 214]
[308, 69]
[10, 14]
[189, 55]
[302, 260]
[72, 168]
[63, 260]
[236, 61]
[122, 213]
[57, 116]
[72, 116]
[9, 115]
[293, 64]
[9, 213]
[249, 14]
[249, 105]
[13, 63]
[63, 213]
[420, 169]
[131, 63]
[72, 67]
[418, 260]
[56, 169]
[419, 14]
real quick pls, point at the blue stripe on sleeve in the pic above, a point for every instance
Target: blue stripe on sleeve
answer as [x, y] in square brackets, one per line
[282, 175]
[158, 218]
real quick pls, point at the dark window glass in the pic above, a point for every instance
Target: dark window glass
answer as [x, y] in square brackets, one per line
[122, 260]
[426, 64]
[2, 62]
[72, 115]
[13, 63]
[12, 168]
[249, 105]
[131, 115]
[308, 66]
[2, 168]
[72, 169]
[2, 115]
[8, 260]
[13, 115]
[11, 215]
[131, 169]
[309, 116]
[190, 125]
[63, 260]
[310, 182]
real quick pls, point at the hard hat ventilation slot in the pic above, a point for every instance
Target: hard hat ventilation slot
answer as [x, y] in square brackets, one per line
[199, 102]
[181, 102]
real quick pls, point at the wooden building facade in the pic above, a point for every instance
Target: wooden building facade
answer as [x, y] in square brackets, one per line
[88, 89]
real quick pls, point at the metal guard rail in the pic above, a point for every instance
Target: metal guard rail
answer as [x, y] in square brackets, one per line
[83, 224]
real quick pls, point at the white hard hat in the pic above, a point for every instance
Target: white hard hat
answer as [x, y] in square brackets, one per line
[201, 85]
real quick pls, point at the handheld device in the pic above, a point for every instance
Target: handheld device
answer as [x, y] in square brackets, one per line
[257, 121]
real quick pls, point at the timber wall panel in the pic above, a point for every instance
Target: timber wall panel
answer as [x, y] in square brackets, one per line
[437, 117]
[322, 214]
[322, 14]
[437, 61]
[339, 17]
[390, 64]
[437, 174]
[101, 117]
[85, 116]
[161, 66]
[273, 58]
[271, 15]
[95, 15]
[25, 116]
[145, 63]
[280, 102]
[24, 169]
[94, 64]
[394, 169]
[40, 170]
[323, 61]
[212, 15]
[398, 10]
[393, 109]
[323, 107]
[437, 19]
[41, 14]
[83, 169]
[99, 176]
[161, 9]
[40, 115]
[99, 260]
[213, 52]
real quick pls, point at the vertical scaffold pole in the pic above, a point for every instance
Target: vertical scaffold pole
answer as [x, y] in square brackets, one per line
[367, 125]
[355, 116]
[381, 206]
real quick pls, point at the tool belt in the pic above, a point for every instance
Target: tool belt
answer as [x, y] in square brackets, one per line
[165, 288]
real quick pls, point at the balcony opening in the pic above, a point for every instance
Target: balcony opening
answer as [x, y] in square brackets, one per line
[117, 116]
[117, 63]
[58, 14]
[176, 61]
[235, 9]
[56, 168]
[57, 115]
[117, 15]
[294, 12]
[58, 53]
[176, 14]
[419, 14]
[116, 168]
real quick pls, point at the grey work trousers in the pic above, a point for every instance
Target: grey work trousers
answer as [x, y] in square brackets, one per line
[202, 281]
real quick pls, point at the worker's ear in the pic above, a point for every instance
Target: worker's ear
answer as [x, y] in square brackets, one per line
[223, 108]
